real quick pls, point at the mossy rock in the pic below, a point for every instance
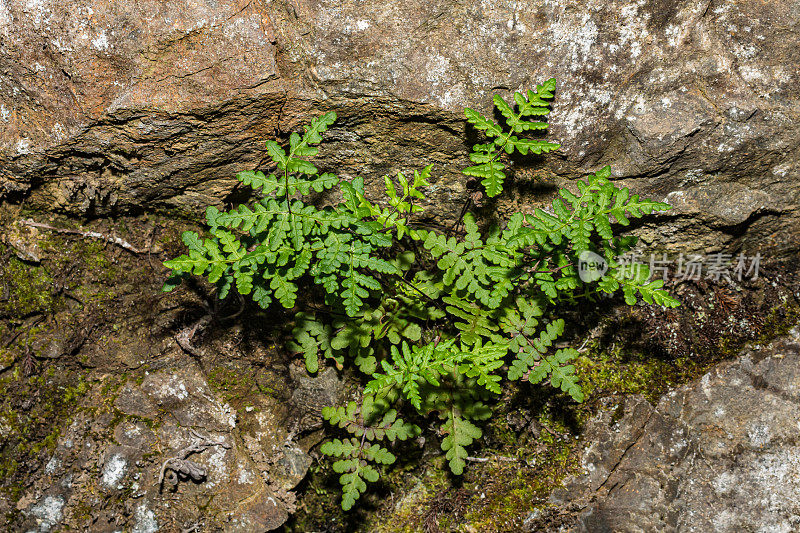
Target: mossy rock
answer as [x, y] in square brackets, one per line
[25, 289]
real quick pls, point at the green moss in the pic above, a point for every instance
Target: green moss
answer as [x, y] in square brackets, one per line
[237, 388]
[505, 492]
[225, 380]
[7, 358]
[34, 412]
[27, 289]
[94, 256]
[629, 368]
[780, 320]
[631, 372]
[73, 393]
[111, 387]
[82, 511]
[501, 431]
[48, 443]
[433, 481]
[103, 278]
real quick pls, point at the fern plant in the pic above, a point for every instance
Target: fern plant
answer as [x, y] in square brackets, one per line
[367, 422]
[436, 323]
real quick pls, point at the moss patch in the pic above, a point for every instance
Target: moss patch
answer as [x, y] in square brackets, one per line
[631, 372]
[34, 412]
[241, 387]
[25, 288]
[504, 493]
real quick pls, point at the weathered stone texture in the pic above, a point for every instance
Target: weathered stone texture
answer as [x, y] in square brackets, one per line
[105, 471]
[720, 454]
[130, 106]
[169, 411]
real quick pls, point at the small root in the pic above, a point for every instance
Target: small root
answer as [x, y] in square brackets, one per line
[89, 234]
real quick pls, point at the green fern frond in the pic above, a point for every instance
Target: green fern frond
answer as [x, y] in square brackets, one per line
[482, 123]
[460, 434]
[411, 366]
[633, 279]
[534, 103]
[531, 348]
[492, 174]
[354, 466]
[312, 338]
[561, 375]
[366, 424]
[430, 317]
[481, 362]
[475, 321]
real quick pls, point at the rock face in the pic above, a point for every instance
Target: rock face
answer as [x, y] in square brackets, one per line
[168, 413]
[116, 108]
[131, 106]
[174, 456]
[123, 408]
[720, 454]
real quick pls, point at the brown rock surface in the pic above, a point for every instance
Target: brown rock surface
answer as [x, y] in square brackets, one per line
[126, 107]
[137, 106]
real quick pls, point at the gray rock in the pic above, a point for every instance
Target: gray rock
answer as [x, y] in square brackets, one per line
[185, 394]
[134, 434]
[720, 454]
[169, 422]
[144, 520]
[114, 469]
[311, 394]
[48, 512]
[290, 467]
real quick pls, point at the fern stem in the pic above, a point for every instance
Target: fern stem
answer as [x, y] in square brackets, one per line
[463, 212]
[288, 204]
[433, 301]
[393, 211]
[501, 147]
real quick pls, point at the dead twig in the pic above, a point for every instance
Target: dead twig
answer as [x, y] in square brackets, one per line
[90, 234]
[180, 467]
[494, 458]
